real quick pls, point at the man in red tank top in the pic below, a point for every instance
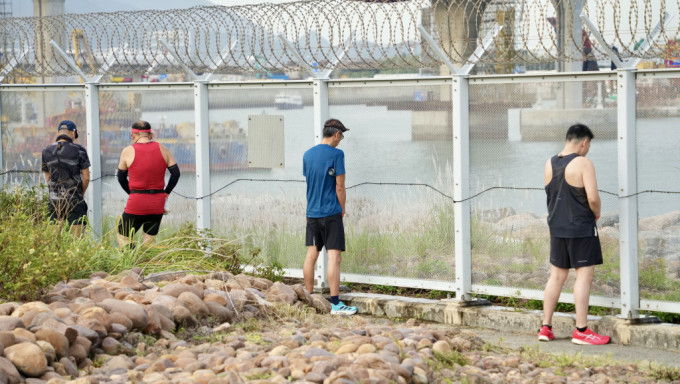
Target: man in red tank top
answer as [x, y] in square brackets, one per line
[141, 173]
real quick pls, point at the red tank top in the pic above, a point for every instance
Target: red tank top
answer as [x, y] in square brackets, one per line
[146, 172]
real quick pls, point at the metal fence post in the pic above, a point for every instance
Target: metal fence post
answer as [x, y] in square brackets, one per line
[14, 61]
[628, 201]
[202, 130]
[460, 121]
[320, 88]
[94, 192]
[460, 115]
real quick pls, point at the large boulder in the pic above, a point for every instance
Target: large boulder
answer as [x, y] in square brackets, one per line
[302, 294]
[48, 350]
[281, 293]
[66, 330]
[133, 311]
[99, 293]
[6, 309]
[133, 283]
[9, 323]
[176, 289]
[166, 301]
[236, 299]
[7, 338]
[660, 222]
[320, 303]
[13, 375]
[58, 340]
[34, 306]
[28, 358]
[98, 314]
[194, 304]
[219, 312]
[183, 316]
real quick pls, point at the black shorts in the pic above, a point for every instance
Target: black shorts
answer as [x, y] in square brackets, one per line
[73, 212]
[326, 231]
[150, 224]
[575, 253]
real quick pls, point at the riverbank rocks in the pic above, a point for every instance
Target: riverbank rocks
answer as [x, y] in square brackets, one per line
[84, 318]
[239, 329]
[28, 358]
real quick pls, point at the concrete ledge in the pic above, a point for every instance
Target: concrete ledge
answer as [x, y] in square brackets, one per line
[656, 336]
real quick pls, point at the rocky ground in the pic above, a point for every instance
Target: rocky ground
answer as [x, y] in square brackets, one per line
[220, 328]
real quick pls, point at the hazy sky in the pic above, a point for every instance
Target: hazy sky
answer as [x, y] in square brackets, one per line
[24, 8]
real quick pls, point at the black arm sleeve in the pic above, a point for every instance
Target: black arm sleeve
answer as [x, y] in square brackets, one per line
[123, 180]
[174, 178]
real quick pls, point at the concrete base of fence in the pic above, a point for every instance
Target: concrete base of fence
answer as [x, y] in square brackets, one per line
[621, 331]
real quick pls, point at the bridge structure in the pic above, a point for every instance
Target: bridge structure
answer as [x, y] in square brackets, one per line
[465, 43]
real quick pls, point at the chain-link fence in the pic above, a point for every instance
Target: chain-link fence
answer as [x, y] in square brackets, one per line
[256, 178]
[29, 123]
[170, 111]
[515, 126]
[399, 160]
[658, 172]
[400, 170]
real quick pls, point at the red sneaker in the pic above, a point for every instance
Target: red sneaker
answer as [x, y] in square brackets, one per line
[588, 338]
[545, 334]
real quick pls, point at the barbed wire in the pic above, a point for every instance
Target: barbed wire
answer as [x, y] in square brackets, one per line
[353, 34]
[429, 186]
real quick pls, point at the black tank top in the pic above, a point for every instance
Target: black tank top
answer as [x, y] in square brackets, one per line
[569, 214]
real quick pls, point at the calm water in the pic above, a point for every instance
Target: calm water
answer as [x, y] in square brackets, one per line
[379, 149]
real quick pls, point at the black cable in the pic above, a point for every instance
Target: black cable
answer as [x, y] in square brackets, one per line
[381, 183]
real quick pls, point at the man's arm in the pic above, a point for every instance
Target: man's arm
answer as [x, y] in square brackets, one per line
[340, 191]
[547, 172]
[173, 168]
[123, 163]
[169, 159]
[122, 173]
[47, 177]
[590, 184]
[85, 175]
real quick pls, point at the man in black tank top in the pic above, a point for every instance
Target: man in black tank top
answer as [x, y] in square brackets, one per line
[573, 209]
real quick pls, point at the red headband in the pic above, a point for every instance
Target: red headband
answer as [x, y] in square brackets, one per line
[140, 130]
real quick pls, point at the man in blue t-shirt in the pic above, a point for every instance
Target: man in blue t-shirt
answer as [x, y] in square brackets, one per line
[324, 168]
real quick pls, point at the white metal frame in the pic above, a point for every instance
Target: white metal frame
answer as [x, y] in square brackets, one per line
[460, 116]
[629, 301]
[627, 161]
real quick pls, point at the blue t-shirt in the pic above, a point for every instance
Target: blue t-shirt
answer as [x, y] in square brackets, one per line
[320, 165]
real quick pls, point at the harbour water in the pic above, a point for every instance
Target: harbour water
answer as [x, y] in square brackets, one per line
[379, 149]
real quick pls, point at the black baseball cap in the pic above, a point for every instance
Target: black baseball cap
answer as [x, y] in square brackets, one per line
[69, 125]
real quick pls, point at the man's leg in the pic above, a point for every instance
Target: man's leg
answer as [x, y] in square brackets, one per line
[78, 219]
[308, 267]
[150, 226]
[552, 292]
[125, 226]
[77, 230]
[123, 241]
[334, 258]
[147, 239]
[584, 278]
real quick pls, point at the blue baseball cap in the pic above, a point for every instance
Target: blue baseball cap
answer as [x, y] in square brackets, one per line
[68, 124]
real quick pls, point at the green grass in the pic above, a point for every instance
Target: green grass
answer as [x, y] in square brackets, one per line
[35, 254]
